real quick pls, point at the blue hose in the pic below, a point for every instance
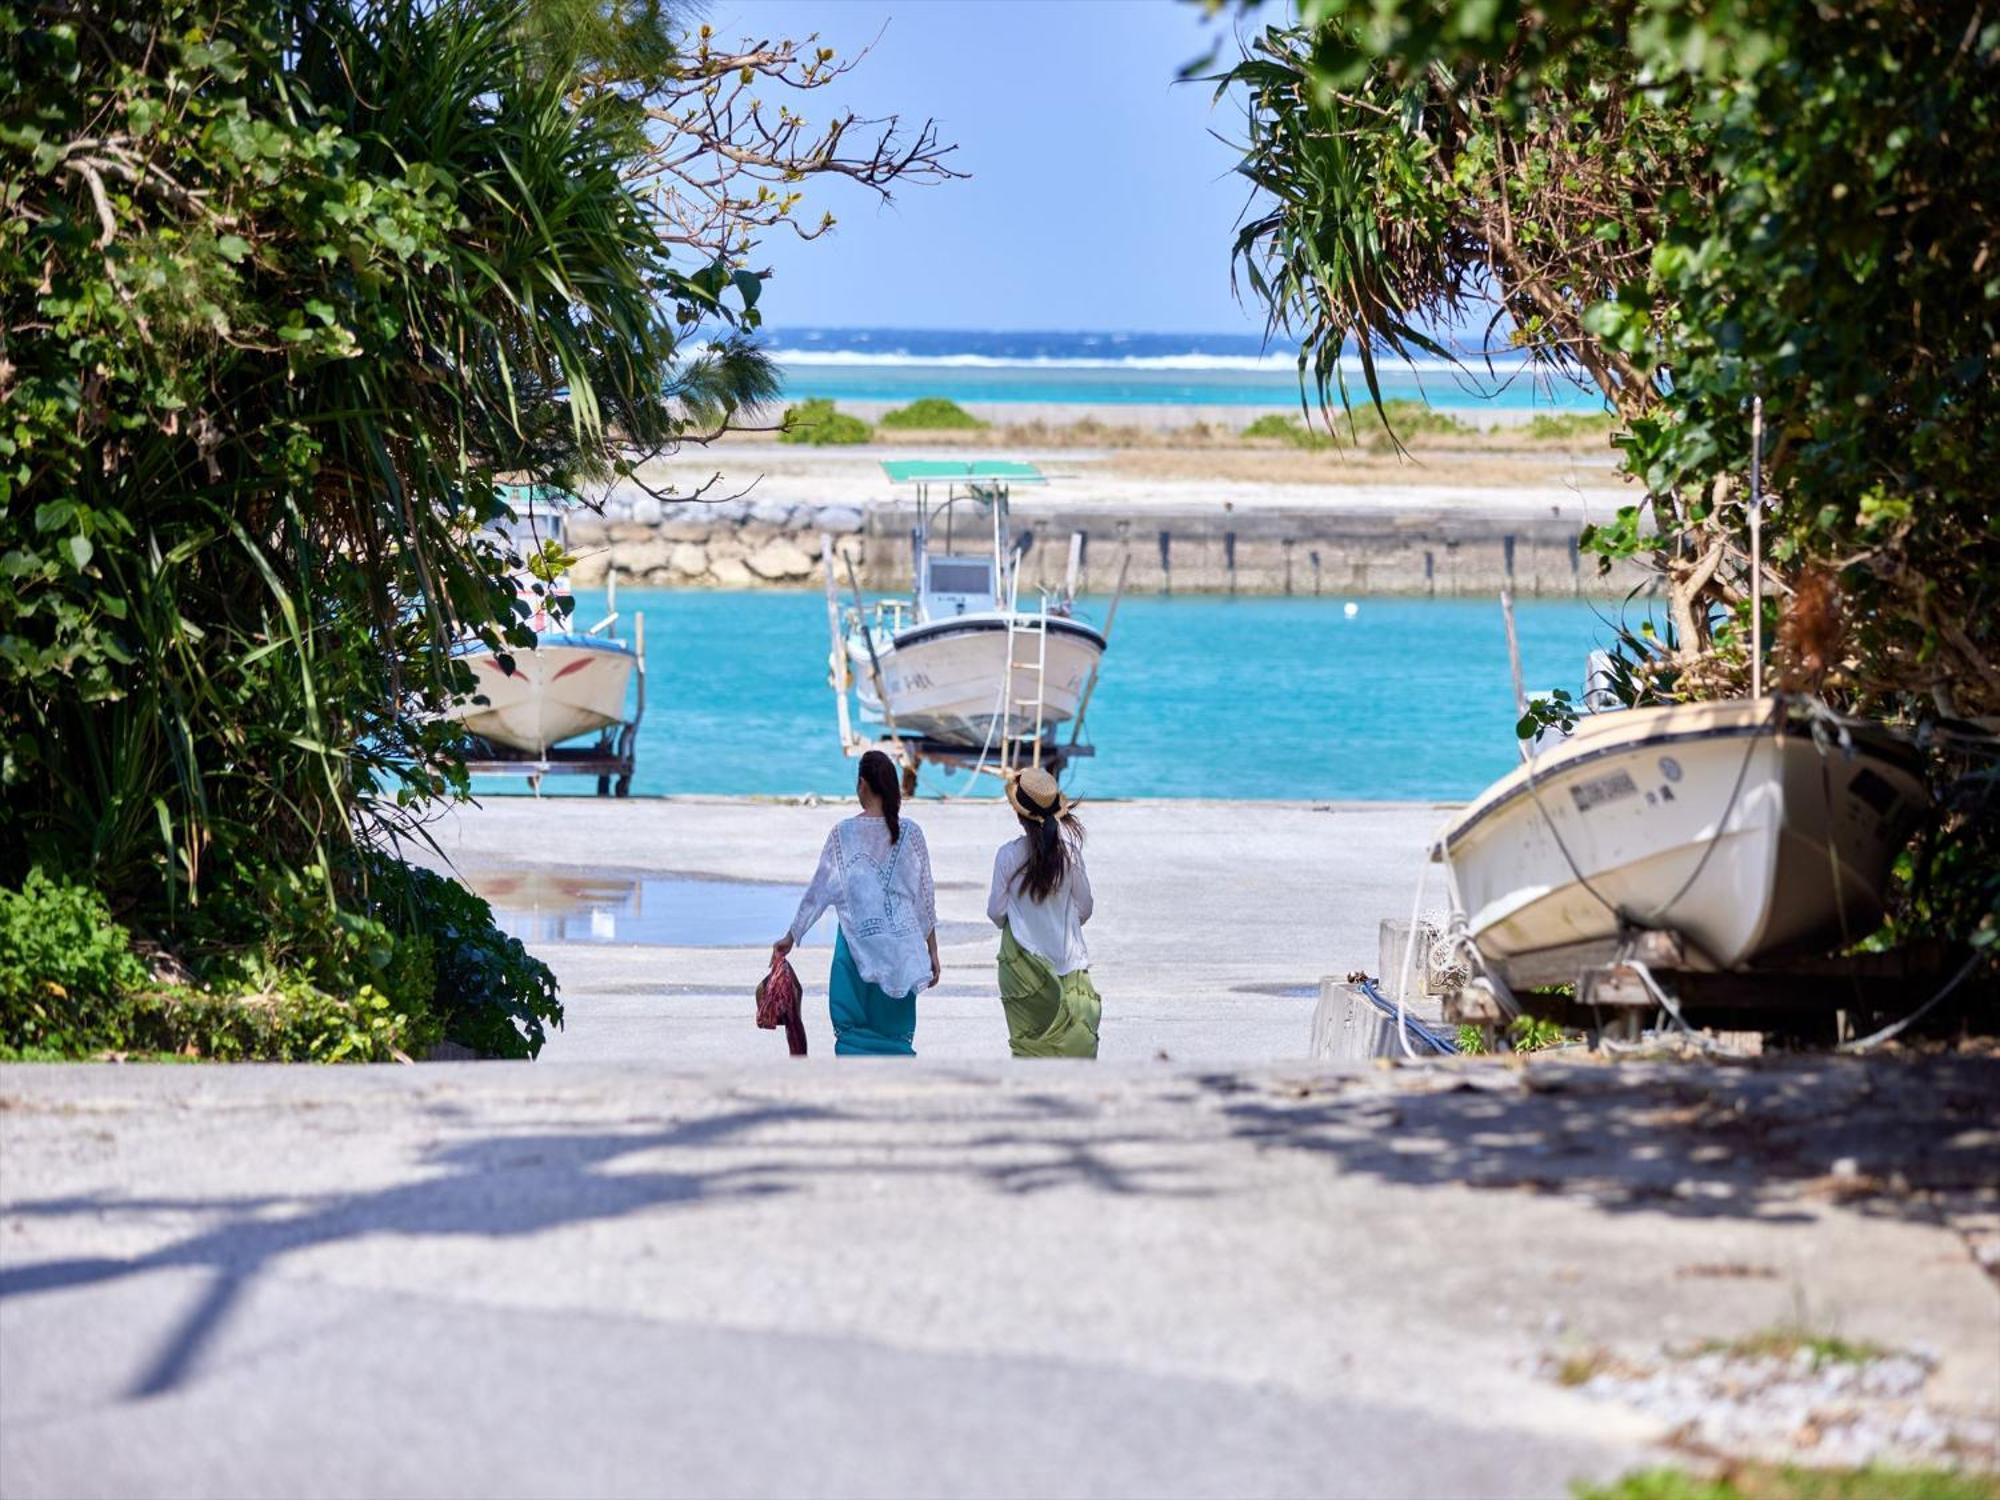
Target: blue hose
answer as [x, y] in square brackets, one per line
[1417, 1029]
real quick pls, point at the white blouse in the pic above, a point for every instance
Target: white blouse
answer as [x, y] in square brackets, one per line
[1051, 929]
[884, 896]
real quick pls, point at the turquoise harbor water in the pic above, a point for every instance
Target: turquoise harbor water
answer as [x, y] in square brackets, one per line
[1200, 697]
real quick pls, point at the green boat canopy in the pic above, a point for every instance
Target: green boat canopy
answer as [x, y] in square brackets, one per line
[951, 471]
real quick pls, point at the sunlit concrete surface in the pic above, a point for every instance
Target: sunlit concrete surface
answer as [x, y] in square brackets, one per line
[932, 1279]
[1215, 921]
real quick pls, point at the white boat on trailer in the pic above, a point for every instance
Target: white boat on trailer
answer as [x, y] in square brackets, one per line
[962, 671]
[528, 705]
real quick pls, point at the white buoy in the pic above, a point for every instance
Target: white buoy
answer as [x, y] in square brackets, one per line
[1350, 609]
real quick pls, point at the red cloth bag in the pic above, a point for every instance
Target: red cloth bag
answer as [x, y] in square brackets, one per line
[780, 1000]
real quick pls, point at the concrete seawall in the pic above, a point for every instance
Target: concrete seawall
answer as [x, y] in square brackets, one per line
[1284, 552]
[1263, 550]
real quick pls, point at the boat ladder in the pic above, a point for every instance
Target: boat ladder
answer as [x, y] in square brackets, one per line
[1027, 656]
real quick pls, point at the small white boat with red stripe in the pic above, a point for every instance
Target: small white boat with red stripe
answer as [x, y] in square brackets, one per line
[529, 707]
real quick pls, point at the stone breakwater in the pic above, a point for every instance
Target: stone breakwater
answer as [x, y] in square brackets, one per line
[728, 544]
[743, 544]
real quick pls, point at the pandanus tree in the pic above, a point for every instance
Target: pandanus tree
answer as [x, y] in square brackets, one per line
[289, 287]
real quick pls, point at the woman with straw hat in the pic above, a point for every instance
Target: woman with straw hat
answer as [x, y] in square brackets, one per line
[1040, 899]
[876, 872]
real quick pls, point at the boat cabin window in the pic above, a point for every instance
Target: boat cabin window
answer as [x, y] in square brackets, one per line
[957, 585]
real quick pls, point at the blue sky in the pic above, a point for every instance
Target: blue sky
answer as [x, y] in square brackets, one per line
[1098, 197]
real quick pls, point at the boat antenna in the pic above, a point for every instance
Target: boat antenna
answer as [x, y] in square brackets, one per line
[1756, 546]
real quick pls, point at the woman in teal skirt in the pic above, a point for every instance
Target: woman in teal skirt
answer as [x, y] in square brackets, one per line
[875, 872]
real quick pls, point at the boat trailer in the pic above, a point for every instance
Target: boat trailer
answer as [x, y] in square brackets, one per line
[1611, 988]
[611, 759]
[1044, 748]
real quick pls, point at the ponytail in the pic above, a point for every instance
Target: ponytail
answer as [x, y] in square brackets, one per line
[879, 773]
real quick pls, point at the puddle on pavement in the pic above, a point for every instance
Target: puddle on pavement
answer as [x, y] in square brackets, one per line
[663, 910]
[658, 909]
[1280, 991]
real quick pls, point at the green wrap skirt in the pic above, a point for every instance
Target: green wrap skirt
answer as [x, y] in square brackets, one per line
[1048, 1014]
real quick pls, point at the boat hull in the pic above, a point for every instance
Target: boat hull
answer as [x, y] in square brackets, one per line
[1727, 823]
[942, 680]
[568, 686]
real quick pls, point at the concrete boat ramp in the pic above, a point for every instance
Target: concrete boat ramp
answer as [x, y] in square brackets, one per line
[668, 1260]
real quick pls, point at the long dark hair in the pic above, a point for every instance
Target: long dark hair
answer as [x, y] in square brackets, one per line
[1049, 853]
[879, 774]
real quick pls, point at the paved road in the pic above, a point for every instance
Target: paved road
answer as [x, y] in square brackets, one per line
[827, 1279]
[1215, 921]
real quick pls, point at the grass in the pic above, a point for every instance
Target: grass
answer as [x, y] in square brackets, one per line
[1787, 1482]
[933, 414]
[1786, 1341]
[1579, 1367]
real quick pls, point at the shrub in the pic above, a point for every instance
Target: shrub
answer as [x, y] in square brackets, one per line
[290, 1021]
[817, 422]
[933, 414]
[1290, 429]
[1363, 425]
[489, 993]
[66, 968]
[71, 986]
[1566, 425]
[1407, 419]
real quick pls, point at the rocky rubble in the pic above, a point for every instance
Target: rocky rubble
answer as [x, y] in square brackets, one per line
[1798, 1407]
[733, 544]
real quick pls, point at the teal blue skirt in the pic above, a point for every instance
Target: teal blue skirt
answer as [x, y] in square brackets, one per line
[867, 1020]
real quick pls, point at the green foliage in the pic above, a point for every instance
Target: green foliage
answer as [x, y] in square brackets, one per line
[1787, 1341]
[1524, 1034]
[422, 960]
[291, 1021]
[65, 968]
[1555, 710]
[1386, 427]
[1568, 426]
[817, 422]
[285, 287]
[1751, 1481]
[1686, 208]
[933, 414]
[1286, 429]
[71, 986]
[488, 992]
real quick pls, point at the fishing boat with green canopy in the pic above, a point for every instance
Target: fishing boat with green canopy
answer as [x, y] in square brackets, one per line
[965, 664]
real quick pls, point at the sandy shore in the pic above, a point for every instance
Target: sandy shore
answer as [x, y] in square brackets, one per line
[1474, 484]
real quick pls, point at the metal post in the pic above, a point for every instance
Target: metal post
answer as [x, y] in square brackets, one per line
[1514, 660]
[1110, 618]
[1756, 546]
[839, 652]
[875, 664]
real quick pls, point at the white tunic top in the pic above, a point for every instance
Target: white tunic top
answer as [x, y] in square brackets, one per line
[884, 896]
[1051, 929]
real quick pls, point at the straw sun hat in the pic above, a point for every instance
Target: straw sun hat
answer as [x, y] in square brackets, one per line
[1035, 795]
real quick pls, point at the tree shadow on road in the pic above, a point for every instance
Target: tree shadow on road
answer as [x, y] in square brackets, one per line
[520, 1184]
[1768, 1141]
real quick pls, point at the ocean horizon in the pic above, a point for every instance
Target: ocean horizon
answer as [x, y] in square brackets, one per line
[984, 367]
